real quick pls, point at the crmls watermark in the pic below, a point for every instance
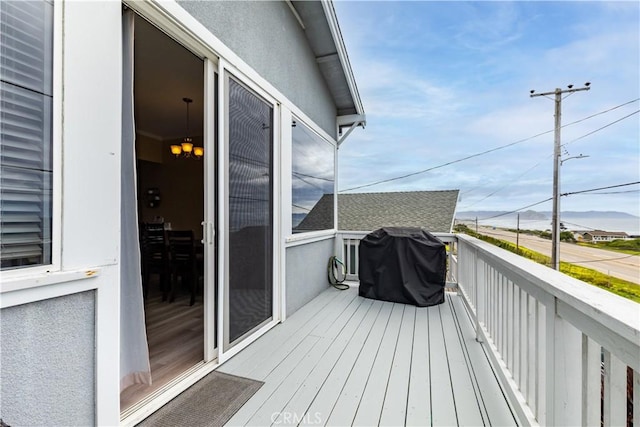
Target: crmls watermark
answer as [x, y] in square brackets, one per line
[295, 418]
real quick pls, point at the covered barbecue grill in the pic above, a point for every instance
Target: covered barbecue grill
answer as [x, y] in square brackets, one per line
[403, 264]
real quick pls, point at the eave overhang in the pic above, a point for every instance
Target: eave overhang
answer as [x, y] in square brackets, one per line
[320, 24]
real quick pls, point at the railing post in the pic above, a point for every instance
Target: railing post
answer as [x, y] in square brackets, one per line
[615, 391]
[453, 266]
[569, 381]
[591, 381]
[563, 374]
[478, 291]
[550, 363]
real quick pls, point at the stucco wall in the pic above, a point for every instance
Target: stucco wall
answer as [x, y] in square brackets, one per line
[47, 362]
[307, 272]
[267, 36]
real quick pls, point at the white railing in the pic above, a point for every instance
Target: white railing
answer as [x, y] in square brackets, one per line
[567, 353]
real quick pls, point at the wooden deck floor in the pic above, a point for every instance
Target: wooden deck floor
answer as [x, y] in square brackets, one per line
[346, 360]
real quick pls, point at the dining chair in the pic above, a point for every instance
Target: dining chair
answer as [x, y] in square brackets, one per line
[184, 271]
[155, 257]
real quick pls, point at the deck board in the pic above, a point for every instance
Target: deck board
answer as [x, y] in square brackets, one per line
[353, 361]
[290, 386]
[372, 400]
[419, 399]
[299, 325]
[443, 410]
[465, 393]
[299, 404]
[492, 400]
[345, 409]
[265, 362]
[330, 391]
[345, 326]
[394, 408]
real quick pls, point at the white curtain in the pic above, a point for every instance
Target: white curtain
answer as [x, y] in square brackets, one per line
[134, 350]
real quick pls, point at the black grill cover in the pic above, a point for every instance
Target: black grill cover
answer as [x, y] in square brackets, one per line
[403, 264]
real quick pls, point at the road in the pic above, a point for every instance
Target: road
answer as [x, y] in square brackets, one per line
[616, 264]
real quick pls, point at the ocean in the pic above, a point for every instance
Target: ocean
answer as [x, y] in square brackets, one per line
[630, 226]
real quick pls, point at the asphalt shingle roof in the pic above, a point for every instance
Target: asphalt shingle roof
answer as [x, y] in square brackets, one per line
[431, 210]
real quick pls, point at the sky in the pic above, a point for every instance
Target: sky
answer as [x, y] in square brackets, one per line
[441, 81]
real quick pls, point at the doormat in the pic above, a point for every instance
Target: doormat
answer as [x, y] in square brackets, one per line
[212, 401]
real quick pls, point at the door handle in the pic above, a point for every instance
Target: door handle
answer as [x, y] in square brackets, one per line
[212, 233]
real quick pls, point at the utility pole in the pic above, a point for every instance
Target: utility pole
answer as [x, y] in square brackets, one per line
[555, 220]
[476, 225]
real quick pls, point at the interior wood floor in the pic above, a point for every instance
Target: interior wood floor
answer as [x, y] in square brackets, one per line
[175, 333]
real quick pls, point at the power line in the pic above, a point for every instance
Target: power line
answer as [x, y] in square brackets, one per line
[481, 153]
[563, 194]
[444, 164]
[601, 188]
[578, 225]
[516, 210]
[568, 124]
[300, 207]
[502, 188]
[296, 176]
[602, 112]
[599, 129]
[312, 176]
[616, 192]
[538, 164]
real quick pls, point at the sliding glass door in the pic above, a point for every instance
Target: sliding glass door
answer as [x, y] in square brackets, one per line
[249, 290]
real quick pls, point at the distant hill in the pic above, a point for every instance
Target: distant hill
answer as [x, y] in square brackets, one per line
[533, 215]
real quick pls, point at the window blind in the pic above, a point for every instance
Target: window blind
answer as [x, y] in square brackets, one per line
[26, 80]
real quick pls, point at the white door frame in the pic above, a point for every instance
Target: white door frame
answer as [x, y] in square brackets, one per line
[210, 214]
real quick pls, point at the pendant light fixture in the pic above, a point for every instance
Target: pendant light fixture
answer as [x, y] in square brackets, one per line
[186, 148]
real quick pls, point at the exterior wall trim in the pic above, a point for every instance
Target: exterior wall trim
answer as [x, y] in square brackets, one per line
[309, 237]
[52, 285]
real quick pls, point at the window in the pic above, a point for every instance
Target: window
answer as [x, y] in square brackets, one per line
[313, 178]
[26, 88]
